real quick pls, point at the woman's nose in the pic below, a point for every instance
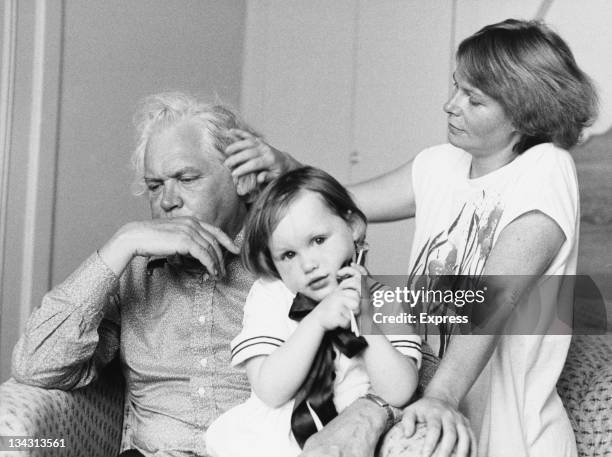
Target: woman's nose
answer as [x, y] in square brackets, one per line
[171, 197]
[451, 106]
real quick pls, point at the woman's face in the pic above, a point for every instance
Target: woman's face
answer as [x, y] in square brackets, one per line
[476, 122]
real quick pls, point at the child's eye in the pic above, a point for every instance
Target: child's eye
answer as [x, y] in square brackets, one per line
[288, 255]
[319, 240]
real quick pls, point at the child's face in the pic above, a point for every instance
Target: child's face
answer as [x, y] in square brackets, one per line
[309, 246]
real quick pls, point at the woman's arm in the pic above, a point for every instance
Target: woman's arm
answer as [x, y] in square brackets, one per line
[526, 246]
[393, 375]
[388, 197]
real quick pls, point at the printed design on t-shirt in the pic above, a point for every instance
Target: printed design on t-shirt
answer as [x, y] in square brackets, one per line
[461, 249]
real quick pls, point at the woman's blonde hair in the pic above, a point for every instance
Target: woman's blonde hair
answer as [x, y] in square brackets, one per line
[532, 73]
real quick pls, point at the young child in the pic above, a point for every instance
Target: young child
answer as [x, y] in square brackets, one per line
[300, 238]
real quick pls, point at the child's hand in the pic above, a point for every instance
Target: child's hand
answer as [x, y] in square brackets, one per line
[335, 310]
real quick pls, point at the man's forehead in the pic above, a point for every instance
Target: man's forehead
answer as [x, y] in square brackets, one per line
[180, 144]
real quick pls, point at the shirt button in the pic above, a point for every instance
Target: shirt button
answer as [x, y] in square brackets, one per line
[202, 319]
[203, 362]
[201, 391]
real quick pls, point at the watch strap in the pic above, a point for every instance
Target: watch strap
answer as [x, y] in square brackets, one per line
[393, 414]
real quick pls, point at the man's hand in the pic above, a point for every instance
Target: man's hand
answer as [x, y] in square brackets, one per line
[251, 154]
[447, 428]
[185, 236]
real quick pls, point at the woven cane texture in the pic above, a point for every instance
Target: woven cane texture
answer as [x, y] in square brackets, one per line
[89, 419]
[585, 387]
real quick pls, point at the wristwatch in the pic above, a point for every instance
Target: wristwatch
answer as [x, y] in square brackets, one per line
[393, 414]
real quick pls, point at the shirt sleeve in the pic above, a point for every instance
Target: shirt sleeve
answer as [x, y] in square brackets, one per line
[408, 345]
[75, 331]
[265, 325]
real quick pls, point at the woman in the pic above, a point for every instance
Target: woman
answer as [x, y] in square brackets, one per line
[500, 201]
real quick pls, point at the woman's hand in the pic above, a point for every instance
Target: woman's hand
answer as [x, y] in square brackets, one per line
[447, 429]
[251, 154]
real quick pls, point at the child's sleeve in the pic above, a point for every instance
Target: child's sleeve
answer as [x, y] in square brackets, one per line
[408, 345]
[407, 342]
[265, 325]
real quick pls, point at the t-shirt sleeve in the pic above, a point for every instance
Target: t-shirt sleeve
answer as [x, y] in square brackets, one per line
[551, 187]
[420, 174]
[265, 323]
[408, 345]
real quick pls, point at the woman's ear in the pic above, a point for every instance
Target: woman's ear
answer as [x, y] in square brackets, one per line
[358, 227]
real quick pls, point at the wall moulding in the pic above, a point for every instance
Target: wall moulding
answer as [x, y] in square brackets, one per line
[30, 91]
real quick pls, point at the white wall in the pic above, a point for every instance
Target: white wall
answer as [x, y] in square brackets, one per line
[352, 86]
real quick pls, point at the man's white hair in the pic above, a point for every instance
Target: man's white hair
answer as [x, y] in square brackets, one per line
[161, 111]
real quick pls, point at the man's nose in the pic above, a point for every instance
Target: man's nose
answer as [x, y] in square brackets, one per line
[171, 197]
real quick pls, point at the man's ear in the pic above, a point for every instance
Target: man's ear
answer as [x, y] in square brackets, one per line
[358, 227]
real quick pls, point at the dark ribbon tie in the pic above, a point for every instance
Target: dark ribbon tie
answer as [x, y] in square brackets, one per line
[318, 388]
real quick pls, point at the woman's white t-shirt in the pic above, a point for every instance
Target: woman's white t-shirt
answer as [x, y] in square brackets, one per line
[513, 406]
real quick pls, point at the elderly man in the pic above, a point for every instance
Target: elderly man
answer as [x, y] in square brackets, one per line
[165, 295]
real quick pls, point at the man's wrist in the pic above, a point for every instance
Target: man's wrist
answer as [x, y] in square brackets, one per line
[392, 415]
[115, 253]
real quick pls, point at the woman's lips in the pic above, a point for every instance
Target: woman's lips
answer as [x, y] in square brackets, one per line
[454, 129]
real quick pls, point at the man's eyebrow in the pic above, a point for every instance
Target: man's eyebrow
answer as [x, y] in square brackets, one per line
[184, 171]
[178, 173]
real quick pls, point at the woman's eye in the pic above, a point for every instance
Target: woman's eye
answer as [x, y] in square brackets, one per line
[319, 240]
